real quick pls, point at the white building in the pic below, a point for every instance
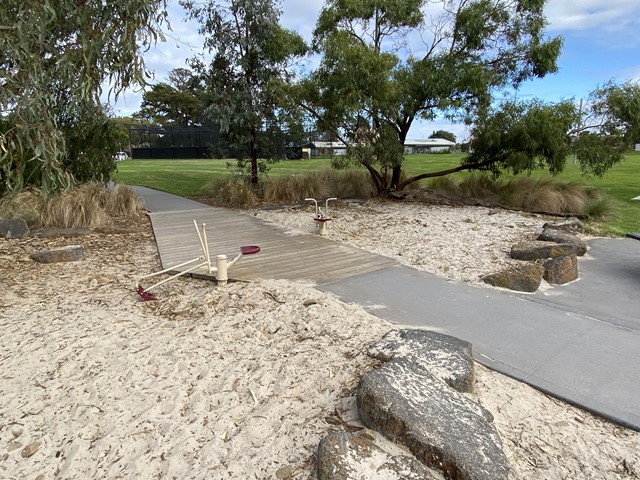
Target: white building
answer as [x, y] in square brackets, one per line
[430, 145]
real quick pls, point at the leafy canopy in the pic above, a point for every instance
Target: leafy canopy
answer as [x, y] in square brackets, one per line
[180, 102]
[443, 134]
[386, 63]
[252, 55]
[519, 137]
[55, 56]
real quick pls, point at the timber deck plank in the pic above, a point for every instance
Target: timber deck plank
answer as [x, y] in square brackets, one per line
[285, 254]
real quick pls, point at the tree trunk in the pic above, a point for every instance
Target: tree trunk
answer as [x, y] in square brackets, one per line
[395, 178]
[254, 157]
[396, 171]
[377, 179]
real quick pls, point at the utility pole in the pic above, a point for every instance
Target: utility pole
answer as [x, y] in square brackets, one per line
[575, 159]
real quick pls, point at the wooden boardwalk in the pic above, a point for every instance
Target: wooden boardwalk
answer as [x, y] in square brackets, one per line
[284, 254]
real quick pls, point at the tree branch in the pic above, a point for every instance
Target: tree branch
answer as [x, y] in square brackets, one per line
[442, 173]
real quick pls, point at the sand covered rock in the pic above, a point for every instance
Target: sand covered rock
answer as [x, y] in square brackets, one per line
[354, 456]
[443, 428]
[414, 399]
[448, 358]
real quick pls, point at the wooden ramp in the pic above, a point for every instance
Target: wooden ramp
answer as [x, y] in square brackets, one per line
[284, 254]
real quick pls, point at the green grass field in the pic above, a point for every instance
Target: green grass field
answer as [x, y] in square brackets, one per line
[190, 178]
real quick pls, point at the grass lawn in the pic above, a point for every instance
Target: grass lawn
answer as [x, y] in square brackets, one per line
[191, 177]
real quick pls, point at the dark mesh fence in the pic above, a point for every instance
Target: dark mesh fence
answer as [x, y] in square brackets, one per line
[172, 142]
[198, 142]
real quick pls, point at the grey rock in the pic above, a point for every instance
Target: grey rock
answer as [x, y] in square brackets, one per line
[557, 236]
[13, 228]
[345, 456]
[113, 230]
[448, 358]
[70, 253]
[285, 473]
[443, 428]
[570, 225]
[561, 270]
[398, 195]
[540, 250]
[355, 201]
[522, 278]
[61, 232]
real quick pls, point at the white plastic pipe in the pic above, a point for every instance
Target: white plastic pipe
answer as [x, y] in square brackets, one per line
[221, 265]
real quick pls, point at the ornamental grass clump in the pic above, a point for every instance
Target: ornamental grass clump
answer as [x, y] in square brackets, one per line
[89, 205]
[531, 195]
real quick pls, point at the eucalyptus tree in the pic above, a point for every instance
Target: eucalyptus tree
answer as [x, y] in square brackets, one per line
[386, 63]
[520, 137]
[55, 57]
[251, 56]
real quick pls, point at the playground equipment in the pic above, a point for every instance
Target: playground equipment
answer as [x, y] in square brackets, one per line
[321, 217]
[220, 270]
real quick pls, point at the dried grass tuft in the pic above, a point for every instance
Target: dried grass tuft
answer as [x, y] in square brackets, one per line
[533, 195]
[233, 192]
[27, 205]
[444, 184]
[293, 189]
[89, 206]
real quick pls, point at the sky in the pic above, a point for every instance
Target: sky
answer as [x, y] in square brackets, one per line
[601, 43]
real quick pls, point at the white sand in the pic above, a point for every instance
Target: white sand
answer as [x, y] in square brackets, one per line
[239, 382]
[458, 243]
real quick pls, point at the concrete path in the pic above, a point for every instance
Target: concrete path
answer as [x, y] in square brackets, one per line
[579, 342]
[157, 201]
[580, 358]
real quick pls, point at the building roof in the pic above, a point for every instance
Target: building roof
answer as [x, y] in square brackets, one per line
[329, 144]
[430, 142]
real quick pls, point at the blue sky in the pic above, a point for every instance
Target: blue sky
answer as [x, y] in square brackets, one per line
[601, 42]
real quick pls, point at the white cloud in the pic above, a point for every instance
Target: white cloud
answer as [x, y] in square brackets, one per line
[632, 74]
[421, 129]
[595, 17]
[301, 16]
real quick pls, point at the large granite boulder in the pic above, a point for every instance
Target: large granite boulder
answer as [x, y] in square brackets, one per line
[540, 250]
[70, 253]
[570, 225]
[557, 236]
[522, 278]
[561, 270]
[443, 428]
[13, 228]
[448, 358]
[348, 456]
